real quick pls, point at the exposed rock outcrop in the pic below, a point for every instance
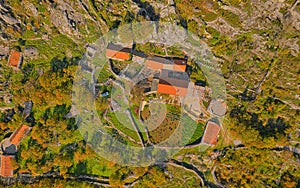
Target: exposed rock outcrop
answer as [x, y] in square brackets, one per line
[4, 50]
[30, 52]
[66, 18]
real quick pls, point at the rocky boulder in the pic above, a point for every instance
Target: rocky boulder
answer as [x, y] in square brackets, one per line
[4, 50]
[30, 52]
[66, 18]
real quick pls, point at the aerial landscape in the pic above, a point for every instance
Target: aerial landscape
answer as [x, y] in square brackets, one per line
[149, 93]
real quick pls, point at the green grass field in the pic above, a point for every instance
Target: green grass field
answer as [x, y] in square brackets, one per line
[122, 123]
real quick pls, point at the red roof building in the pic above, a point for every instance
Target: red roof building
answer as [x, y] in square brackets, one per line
[14, 59]
[19, 134]
[179, 64]
[167, 63]
[6, 164]
[173, 83]
[211, 133]
[117, 52]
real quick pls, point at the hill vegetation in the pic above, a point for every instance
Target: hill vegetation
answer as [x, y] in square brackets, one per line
[256, 44]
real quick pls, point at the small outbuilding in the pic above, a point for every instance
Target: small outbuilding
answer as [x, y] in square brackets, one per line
[15, 59]
[211, 133]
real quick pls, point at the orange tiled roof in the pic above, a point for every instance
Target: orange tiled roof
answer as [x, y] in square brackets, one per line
[211, 133]
[179, 68]
[154, 65]
[167, 89]
[19, 134]
[173, 82]
[14, 59]
[171, 90]
[6, 165]
[169, 63]
[115, 51]
[117, 55]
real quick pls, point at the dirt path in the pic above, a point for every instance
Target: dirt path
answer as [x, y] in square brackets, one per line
[29, 179]
[293, 106]
[120, 132]
[188, 168]
[215, 178]
[127, 111]
[135, 127]
[146, 126]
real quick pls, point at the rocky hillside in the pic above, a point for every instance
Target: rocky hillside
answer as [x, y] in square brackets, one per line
[256, 44]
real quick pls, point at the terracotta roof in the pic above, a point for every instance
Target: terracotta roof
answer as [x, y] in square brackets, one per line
[211, 133]
[168, 63]
[173, 83]
[7, 165]
[14, 59]
[122, 56]
[167, 89]
[171, 90]
[118, 52]
[19, 134]
[180, 68]
[154, 65]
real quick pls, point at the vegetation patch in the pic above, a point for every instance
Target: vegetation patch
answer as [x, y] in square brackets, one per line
[168, 126]
[122, 123]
